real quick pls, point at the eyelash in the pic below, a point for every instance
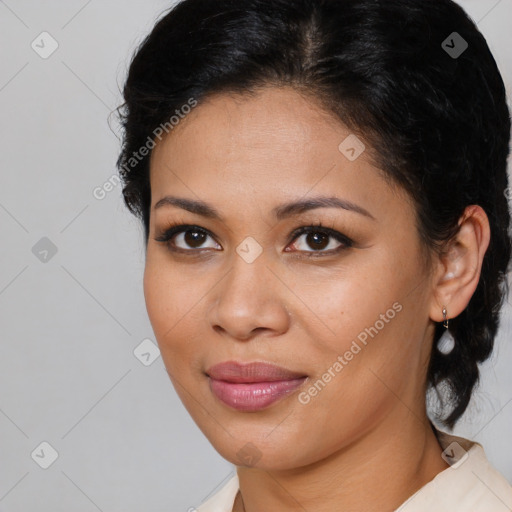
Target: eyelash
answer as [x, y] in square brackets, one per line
[175, 229]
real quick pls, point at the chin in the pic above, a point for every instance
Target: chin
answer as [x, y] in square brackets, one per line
[255, 448]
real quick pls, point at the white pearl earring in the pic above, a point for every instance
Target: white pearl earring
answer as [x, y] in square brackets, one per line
[446, 343]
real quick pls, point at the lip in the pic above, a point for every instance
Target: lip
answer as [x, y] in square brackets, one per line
[252, 386]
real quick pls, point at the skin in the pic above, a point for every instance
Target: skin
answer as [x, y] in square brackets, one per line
[364, 442]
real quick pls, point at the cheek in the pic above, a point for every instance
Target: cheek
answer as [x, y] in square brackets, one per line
[156, 294]
[173, 303]
[168, 291]
[166, 301]
[353, 303]
[174, 311]
[366, 329]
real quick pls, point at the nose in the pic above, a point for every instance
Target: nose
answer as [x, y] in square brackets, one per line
[249, 300]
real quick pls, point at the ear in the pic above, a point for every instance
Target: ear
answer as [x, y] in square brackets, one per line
[458, 269]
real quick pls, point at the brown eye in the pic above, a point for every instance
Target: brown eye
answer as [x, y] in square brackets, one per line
[186, 238]
[317, 240]
[194, 238]
[320, 240]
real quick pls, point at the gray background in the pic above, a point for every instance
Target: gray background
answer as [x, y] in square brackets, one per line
[70, 323]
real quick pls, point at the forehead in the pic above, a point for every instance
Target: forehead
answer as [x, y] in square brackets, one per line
[274, 142]
[273, 120]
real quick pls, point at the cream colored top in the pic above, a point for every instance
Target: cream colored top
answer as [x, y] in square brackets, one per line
[470, 484]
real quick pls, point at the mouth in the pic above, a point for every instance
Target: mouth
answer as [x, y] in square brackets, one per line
[253, 386]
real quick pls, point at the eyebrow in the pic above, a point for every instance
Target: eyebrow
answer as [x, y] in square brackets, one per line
[280, 212]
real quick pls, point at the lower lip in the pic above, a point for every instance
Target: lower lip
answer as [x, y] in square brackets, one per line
[252, 396]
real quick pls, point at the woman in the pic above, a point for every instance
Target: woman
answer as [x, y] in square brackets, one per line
[322, 188]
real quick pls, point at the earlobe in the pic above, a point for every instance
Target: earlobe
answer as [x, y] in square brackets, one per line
[460, 265]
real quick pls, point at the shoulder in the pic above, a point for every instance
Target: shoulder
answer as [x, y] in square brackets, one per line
[222, 500]
[470, 483]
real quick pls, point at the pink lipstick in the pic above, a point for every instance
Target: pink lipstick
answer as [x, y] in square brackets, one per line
[253, 386]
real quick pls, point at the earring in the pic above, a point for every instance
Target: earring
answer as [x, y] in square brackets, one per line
[445, 320]
[446, 342]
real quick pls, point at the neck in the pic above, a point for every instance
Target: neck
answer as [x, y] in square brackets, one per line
[378, 471]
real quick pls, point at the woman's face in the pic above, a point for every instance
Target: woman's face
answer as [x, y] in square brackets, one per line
[349, 319]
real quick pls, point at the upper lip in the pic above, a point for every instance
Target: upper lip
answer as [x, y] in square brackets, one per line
[232, 371]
